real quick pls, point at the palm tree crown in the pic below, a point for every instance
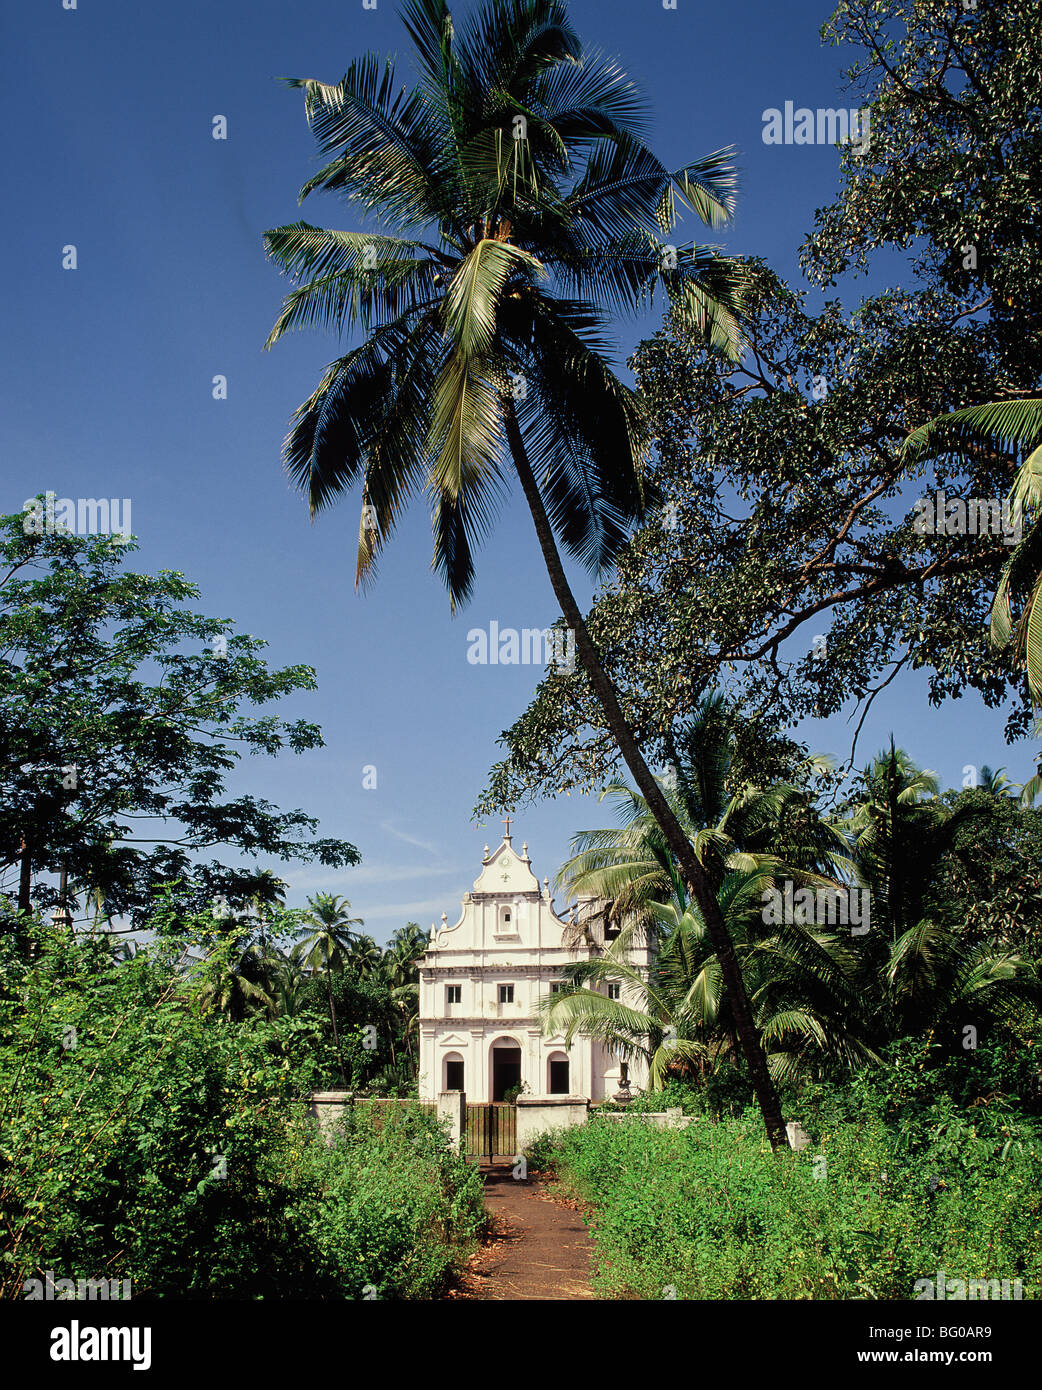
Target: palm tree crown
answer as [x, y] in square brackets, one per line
[514, 205]
[326, 941]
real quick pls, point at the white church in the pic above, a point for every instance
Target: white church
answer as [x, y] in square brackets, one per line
[481, 978]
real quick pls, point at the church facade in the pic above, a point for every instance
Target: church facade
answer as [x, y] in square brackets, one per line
[480, 982]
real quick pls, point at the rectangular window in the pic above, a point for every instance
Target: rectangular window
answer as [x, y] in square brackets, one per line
[506, 994]
[454, 1076]
[557, 986]
[454, 995]
[614, 991]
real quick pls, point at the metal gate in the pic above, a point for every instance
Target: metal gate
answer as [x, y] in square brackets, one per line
[492, 1131]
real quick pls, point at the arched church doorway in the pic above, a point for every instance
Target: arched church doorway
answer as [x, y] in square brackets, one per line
[505, 1066]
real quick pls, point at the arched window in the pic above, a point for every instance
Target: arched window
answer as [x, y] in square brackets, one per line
[453, 1066]
[557, 1074]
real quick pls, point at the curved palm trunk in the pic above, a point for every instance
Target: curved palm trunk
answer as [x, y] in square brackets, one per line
[25, 879]
[680, 846]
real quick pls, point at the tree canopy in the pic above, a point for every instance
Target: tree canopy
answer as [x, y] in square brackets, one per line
[786, 563]
[122, 714]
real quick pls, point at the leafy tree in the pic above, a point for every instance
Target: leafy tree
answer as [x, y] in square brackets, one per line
[149, 1138]
[954, 164]
[526, 208]
[122, 712]
[784, 564]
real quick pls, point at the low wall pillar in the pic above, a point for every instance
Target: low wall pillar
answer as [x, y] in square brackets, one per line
[452, 1106]
[797, 1135]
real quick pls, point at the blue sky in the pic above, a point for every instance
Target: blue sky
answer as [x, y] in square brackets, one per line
[108, 385]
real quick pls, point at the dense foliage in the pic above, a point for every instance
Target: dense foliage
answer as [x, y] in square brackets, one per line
[896, 913]
[361, 1000]
[148, 1137]
[899, 1182]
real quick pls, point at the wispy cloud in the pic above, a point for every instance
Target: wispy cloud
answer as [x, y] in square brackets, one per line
[408, 839]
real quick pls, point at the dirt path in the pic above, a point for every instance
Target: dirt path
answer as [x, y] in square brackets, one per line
[540, 1249]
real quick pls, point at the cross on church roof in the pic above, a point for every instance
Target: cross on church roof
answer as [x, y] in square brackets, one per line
[506, 833]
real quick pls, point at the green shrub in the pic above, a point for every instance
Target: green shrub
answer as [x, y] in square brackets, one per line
[541, 1153]
[396, 1208]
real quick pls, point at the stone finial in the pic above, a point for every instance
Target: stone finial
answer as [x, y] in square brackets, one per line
[444, 919]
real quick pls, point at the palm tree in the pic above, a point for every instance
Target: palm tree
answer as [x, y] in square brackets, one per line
[516, 207]
[365, 959]
[897, 825]
[237, 985]
[995, 782]
[676, 1013]
[326, 946]
[406, 946]
[401, 971]
[936, 980]
[286, 984]
[1014, 427]
[632, 866]
[268, 891]
[923, 970]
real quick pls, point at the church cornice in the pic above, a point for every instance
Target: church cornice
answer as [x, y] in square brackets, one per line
[509, 895]
[430, 974]
[431, 1027]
